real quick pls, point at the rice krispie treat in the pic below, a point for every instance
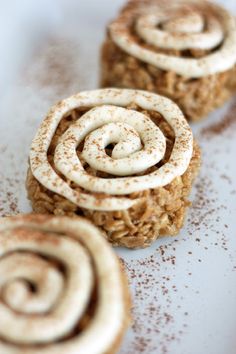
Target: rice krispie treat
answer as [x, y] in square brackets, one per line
[125, 159]
[182, 49]
[62, 288]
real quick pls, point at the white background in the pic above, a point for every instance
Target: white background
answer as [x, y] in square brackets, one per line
[50, 50]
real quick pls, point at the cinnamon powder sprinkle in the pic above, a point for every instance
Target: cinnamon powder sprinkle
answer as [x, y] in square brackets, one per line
[168, 320]
[228, 122]
[9, 204]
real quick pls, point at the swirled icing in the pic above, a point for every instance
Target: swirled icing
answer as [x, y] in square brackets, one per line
[33, 250]
[140, 144]
[182, 25]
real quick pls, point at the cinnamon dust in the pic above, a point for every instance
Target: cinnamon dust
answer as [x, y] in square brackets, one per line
[225, 124]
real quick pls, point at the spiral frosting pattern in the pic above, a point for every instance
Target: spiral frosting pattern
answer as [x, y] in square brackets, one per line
[138, 145]
[178, 25]
[49, 269]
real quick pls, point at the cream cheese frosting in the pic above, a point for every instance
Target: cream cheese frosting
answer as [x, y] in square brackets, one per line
[140, 144]
[182, 25]
[43, 321]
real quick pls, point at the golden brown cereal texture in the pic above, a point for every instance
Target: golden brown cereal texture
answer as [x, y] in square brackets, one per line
[232, 82]
[196, 97]
[160, 212]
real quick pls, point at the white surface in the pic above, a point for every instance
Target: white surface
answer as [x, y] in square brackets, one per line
[200, 312]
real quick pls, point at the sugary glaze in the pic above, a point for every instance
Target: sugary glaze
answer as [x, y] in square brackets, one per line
[48, 271]
[140, 144]
[180, 25]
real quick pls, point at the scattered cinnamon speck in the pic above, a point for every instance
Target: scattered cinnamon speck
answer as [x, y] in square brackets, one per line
[224, 125]
[8, 200]
[153, 319]
[56, 68]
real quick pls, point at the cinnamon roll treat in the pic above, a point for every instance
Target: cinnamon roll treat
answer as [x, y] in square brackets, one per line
[125, 159]
[182, 49]
[62, 288]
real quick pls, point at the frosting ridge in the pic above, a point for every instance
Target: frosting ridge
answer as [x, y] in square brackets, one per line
[183, 25]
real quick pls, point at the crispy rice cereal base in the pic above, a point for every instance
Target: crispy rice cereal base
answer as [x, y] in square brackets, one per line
[41, 219]
[196, 97]
[232, 81]
[160, 213]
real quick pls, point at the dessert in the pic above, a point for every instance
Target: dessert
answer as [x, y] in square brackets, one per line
[185, 50]
[125, 159]
[62, 288]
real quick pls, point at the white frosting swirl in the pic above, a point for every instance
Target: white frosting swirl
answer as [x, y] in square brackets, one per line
[33, 249]
[140, 144]
[200, 25]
